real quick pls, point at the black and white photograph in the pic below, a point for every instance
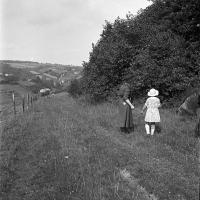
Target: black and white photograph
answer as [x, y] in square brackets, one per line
[99, 100]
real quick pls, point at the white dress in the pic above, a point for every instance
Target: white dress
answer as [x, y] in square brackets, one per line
[152, 113]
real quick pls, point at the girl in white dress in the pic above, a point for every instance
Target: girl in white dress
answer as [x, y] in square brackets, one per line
[152, 114]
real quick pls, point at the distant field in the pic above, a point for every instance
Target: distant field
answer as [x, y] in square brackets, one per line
[16, 88]
[19, 73]
[22, 66]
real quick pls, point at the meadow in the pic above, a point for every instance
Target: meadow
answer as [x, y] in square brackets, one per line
[68, 149]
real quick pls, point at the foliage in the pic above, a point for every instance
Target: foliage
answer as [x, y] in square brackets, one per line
[74, 88]
[160, 47]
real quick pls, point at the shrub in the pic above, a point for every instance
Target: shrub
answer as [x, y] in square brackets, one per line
[157, 48]
[75, 88]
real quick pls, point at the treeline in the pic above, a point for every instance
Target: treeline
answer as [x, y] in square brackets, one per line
[160, 47]
[19, 61]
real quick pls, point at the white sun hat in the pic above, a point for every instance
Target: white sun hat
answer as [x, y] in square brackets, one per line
[153, 92]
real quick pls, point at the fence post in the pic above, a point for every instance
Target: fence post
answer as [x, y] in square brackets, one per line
[13, 98]
[27, 101]
[31, 101]
[23, 103]
[198, 153]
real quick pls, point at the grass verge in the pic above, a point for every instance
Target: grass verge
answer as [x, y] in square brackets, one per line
[68, 150]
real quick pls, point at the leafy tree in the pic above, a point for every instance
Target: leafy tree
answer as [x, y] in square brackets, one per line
[159, 48]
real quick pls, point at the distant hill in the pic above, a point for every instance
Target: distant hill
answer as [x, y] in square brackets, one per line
[18, 73]
[35, 76]
[17, 61]
[21, 64]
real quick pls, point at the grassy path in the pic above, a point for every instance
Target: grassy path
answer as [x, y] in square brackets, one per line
[70, 150]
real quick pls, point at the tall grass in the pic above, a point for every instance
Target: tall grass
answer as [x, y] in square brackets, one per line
[71, 150]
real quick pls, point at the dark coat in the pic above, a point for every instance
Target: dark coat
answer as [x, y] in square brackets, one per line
[125, 111]
[190, 106]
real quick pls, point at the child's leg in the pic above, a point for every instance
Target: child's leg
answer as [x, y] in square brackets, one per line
[153, 128]
[147, 127]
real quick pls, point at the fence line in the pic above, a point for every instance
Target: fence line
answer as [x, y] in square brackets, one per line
[18, 105]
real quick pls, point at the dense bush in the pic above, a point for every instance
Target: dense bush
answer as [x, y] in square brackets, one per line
[160, 47]
[74, 88]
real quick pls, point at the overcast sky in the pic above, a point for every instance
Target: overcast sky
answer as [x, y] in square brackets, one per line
[57, 31]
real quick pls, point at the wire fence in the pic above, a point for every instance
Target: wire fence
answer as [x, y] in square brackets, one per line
[13, 104]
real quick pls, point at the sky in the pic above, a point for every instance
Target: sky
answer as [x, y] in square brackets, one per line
[57, 31]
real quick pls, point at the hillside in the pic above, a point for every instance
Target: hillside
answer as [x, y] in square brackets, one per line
[23, 78]
[35, 76]
[67, 149]
[30, 64]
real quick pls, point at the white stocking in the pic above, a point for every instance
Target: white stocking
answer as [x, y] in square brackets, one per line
[152, 129]
[147, 127]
